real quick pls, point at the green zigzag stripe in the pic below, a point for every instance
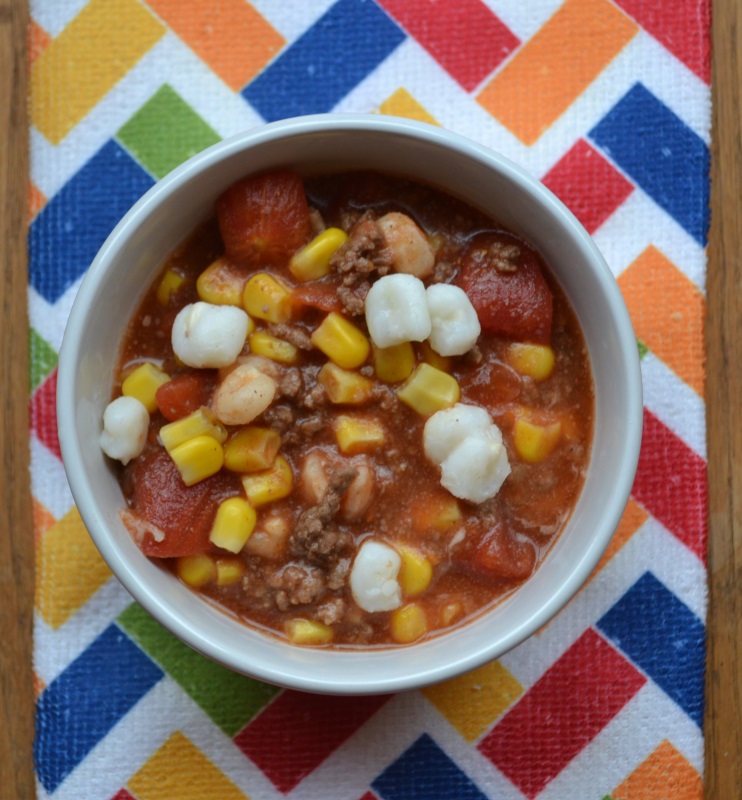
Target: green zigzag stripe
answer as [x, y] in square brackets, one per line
[165, 132]
[230, 699]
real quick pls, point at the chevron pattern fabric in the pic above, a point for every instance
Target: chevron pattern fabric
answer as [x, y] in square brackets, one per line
[607, 102]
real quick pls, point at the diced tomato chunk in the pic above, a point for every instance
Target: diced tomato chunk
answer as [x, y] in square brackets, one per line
[498, 554]
[183, 513]
[265, 219]
[513, 300]
[322, 295]
[184, 394]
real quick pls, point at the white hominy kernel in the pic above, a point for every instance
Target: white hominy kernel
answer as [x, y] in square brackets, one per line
[454, 323]
[467, 446]
[209, 336]
[446, 429]
[475, 470]
[373, 577]
[125, 426]
[397, 310]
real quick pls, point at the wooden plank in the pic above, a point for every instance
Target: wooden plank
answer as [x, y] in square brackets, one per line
[724, 389]
[724, 401]
[16, 531]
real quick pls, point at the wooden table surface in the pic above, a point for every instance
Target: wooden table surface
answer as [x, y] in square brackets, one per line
[723, 722]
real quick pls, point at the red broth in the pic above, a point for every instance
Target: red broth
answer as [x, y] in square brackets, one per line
[292, 576]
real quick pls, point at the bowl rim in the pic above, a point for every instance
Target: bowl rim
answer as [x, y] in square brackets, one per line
[93, 517]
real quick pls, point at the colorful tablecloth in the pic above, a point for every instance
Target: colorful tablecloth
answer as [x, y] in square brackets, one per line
[608, 103]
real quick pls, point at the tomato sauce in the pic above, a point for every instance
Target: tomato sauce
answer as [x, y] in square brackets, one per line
[472, 554]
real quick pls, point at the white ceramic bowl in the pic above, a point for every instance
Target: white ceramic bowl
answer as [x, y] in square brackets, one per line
[127, 264]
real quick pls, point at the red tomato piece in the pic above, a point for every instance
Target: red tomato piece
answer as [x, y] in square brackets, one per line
[497, 553]
[183, 513]
[322, 295]
[513, 300]
[265, 219]
[184, 394]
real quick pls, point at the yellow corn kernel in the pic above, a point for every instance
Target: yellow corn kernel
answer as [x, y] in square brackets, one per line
[234, 522]
[429, 356]
[416, 572]
[265, 298]
[201, 422]
[270, 484]
[308, 631]
[198, 458]
[229, 571]
[221, 284]
[142, 384]
[534, 442]
[429, 389]
[169, 285]
[394, 364]
[408, 623]
[264, 344]
[534, 360]
[341, 341]
[313, 260]
[251, 449]
[437, 512]
[358, 434]
[196, 570]
[343, 386]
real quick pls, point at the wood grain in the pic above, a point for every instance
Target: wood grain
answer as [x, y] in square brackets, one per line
[723, 723]
[16, 532]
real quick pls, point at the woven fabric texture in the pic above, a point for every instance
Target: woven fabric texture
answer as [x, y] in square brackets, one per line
[606, 101]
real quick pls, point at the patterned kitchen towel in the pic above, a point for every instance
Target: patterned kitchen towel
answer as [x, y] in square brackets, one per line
[607, 101]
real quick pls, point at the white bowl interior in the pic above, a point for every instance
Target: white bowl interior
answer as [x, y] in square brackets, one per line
[134, 253]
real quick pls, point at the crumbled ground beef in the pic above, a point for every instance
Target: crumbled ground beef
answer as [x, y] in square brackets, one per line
[311, 425]
[291, 334]
[338, 575]
[331, 611]
[504, 256]
[297, 585]
[278, 417]
[255, 589]
[443, 271]
[353, 300]
[290, 383]
[363, 254]
[319, 542]
[314, 538]
[314, 397]
[360, 633]
[304, 430]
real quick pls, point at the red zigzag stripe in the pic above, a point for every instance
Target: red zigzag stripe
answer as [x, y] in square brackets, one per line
[671, 484]
[43, 413]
